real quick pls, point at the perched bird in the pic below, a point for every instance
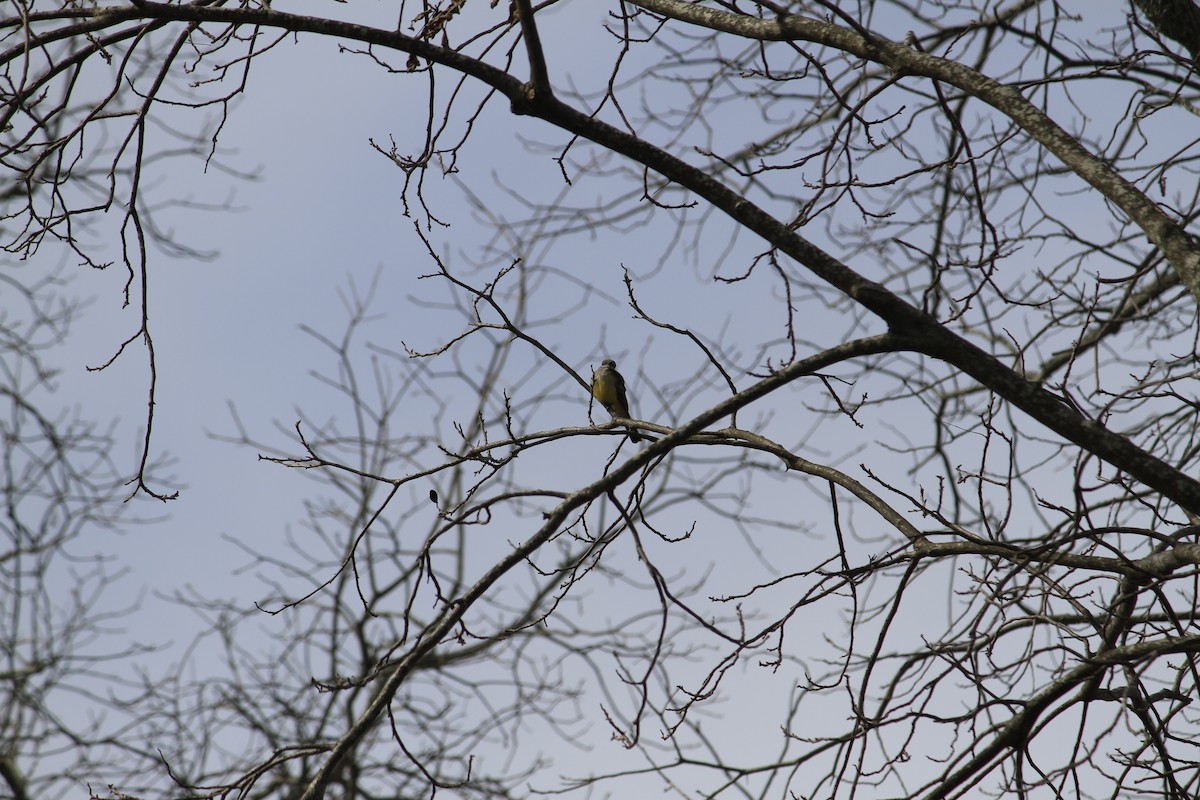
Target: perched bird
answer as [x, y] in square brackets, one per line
[608, 387]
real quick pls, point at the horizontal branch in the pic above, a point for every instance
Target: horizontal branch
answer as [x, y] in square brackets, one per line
[1154, 566]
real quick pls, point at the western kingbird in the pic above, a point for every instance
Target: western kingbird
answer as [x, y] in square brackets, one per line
[608, 387]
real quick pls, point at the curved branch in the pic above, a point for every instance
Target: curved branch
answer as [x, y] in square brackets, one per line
[453, 612]
[914, 329]
[1178, 20]
[1181, 248]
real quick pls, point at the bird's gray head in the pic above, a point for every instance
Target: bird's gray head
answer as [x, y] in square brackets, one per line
[608, 362]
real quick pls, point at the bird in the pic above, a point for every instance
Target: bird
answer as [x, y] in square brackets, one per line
[608, 387]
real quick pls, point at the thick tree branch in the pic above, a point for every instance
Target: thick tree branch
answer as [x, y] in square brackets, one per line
[913, 328]
[1176, 19]
[1180, 247]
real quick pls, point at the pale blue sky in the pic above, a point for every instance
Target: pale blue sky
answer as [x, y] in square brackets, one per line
[326, 211]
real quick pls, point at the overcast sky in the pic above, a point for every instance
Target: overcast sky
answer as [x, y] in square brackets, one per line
[324, 213]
